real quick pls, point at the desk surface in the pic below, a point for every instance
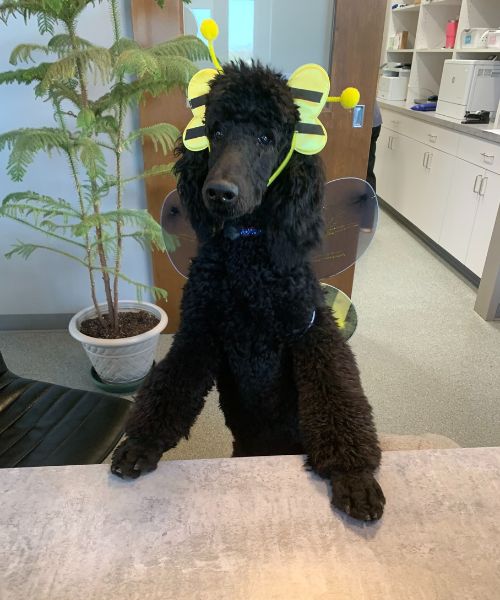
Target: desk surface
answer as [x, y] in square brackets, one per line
[484, 131]
[251, 529]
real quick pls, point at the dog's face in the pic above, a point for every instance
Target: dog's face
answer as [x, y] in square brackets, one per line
[250, 119]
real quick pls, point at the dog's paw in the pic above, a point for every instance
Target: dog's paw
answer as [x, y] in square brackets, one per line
[132, 458]
[358, 495]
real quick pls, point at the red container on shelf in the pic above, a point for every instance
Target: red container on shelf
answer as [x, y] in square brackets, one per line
[451, 33]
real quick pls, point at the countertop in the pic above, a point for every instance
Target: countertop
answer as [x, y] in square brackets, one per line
[485, 132]
[251, 529]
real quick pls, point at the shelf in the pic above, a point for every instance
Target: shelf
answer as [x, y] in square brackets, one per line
[407, 9]
[426, 29]
[435, 50]
[478, 51]
[443, 3]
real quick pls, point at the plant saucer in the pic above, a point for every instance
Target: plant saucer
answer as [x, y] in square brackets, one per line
[117, 388]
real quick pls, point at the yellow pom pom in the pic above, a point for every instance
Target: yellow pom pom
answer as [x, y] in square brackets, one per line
[209, 29]
[350, 98]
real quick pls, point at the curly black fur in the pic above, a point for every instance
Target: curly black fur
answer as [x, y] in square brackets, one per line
[248, 302]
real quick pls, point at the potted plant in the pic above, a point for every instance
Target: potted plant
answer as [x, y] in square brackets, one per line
[119, 336]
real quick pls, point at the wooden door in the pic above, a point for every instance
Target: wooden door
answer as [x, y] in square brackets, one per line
[358, 32]
[153, 25]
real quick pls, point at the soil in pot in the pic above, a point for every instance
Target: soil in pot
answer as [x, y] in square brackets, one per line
[129, 324]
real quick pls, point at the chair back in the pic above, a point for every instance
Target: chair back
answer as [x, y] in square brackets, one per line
[3, 366]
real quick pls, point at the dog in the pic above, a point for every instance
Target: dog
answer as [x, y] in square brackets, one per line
[253, 316]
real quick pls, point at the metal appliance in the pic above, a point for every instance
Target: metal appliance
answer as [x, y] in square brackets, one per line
[393, 84]
[469, 86]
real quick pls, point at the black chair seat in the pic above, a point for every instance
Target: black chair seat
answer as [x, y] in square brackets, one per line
[43, 424]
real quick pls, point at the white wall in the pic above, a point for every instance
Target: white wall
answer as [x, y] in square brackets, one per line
[48, 283]
[383, 50]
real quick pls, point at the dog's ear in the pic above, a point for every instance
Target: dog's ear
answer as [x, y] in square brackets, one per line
[191, 169]
[293, 204]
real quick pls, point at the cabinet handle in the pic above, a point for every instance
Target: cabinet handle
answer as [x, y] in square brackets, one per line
[424, 161]
[429, 160]
[488, 158]
[389, 142]
[484, 184]
[433, 138]
[477, 183]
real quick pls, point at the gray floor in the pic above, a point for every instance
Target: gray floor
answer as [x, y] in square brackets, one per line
[429, 363]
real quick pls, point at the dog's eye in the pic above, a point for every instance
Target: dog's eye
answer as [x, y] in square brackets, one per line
[264, 140]
[218, 135]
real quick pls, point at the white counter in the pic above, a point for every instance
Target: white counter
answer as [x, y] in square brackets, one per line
[251, 529]
[486, 132]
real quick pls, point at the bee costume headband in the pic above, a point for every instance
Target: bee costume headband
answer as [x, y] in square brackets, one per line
[310, 86]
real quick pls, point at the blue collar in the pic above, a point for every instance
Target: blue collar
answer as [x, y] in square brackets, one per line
[233, 233]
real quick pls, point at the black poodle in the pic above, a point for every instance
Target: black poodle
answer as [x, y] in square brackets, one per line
[253, 315]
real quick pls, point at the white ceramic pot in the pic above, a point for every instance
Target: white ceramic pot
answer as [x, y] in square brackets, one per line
[122, 360]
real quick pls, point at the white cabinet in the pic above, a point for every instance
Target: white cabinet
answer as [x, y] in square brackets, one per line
[433, 170]
[470, 214]
[487, 209]
[397, 181]
[414, 179]
[401, 149]
[426, 23]
[461, 209]
[387, 168]
[384, 164]
[450, 199]
[480, 152]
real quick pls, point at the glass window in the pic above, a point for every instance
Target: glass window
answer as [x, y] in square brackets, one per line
[282, 33]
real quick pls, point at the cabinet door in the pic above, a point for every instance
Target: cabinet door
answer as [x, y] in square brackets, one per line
[439, 168]
[411, 177]
[385, 167]
[461, 209]
[489, 201]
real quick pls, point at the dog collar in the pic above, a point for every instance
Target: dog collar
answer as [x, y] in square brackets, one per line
[296, 333]
[233, 233]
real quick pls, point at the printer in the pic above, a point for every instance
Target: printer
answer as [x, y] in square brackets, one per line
[393, 84]
[469, 86]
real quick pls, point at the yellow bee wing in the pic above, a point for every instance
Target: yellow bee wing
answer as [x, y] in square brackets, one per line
[310, 136]
[194, 137]
[198, 88]
[310, 88]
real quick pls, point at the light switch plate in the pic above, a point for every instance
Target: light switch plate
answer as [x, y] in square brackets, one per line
[358, 116]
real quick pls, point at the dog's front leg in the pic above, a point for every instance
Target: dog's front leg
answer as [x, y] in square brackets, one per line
[336, 420]
[174, 393]
[167, 405]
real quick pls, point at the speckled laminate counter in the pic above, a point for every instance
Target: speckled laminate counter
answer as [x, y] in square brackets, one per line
[480, 131]
[251, 529]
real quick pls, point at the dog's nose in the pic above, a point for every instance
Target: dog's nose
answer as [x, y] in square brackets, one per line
[222, 191]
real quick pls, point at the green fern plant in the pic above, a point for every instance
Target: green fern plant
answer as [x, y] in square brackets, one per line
[89, 131]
